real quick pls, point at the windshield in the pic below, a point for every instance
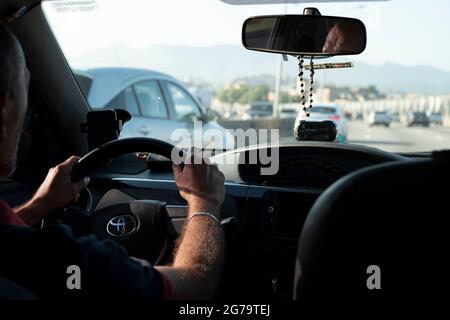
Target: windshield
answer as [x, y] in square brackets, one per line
[175, 63]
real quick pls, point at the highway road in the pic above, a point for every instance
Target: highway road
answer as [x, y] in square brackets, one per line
[399, 137]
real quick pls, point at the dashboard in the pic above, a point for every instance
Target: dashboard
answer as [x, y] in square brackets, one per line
[270, 209]
[312, 165]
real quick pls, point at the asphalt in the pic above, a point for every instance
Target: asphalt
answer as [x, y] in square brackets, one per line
[399, 138]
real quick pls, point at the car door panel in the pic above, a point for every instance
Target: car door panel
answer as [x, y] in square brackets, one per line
[154, 121]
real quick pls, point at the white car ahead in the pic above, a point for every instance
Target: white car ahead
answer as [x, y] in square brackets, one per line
[379, 118]
[158, 103]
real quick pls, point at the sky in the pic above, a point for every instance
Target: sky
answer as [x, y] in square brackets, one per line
[407, 32]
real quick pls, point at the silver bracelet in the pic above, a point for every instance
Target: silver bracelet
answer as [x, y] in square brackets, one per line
[201, 213]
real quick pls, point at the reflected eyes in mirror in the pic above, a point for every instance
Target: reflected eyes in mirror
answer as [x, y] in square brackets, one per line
[304, 35]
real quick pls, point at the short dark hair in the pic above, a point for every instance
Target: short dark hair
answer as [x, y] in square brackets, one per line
[9, 62]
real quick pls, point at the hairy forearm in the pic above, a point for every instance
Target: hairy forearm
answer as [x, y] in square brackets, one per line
[201, 246]
[31, 212]
[198, 262]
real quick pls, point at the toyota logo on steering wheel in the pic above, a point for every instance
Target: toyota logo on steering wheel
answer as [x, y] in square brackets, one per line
[122, 226]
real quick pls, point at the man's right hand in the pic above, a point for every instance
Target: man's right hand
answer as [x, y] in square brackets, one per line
[198, 262]
[202, 186]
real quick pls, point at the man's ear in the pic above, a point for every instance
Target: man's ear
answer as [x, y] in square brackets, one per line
[4, 101]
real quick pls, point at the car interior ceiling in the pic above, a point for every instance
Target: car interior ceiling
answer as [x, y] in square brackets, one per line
[262, 252]
[9, 7]
[52, 76]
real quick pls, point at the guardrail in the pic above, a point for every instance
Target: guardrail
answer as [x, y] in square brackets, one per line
[284, 125]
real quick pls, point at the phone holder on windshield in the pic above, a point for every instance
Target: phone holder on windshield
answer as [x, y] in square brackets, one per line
[103, 126]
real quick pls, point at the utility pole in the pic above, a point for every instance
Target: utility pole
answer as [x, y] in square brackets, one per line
[276, 99]
[278, 77]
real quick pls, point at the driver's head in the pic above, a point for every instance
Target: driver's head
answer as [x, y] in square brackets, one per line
[14, 79]
[344, 37]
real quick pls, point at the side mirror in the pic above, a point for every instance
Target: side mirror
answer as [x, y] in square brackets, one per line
[210, 115]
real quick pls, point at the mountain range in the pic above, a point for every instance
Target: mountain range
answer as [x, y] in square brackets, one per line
[222, 64]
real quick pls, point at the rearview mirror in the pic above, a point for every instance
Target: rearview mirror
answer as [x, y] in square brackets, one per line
[304, 35]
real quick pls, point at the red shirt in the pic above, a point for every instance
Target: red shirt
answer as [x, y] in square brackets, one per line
[7, 216]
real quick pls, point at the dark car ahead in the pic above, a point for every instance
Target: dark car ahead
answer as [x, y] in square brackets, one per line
[418, 119]
[259, 109]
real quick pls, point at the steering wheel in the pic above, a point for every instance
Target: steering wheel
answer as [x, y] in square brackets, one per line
[143, 227]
